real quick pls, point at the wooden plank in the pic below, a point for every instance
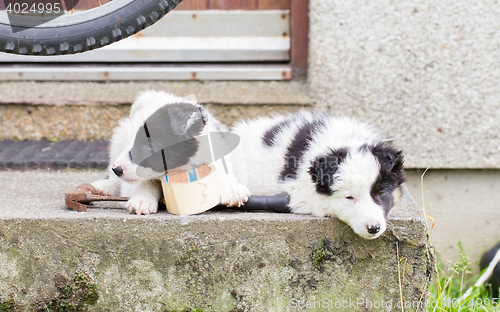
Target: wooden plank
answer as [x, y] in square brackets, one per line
[299, 32]
[86, 4]
[193, 5]
[273, 5]
[234, 5]
[187, 4]
[145, 72]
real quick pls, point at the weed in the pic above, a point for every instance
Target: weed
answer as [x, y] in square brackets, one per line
[8, 305]
[318, 254]
[446, 291]
[184, 310]
[451, 284]
[74, 296]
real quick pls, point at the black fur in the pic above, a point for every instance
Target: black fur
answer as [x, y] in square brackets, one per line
[166, 141]
[298, 147]
[323, 168]
[391, 174]
[495, 277]
[178, 115]
[270, 134]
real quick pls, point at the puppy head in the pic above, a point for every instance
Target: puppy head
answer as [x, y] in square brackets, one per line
[358, 185]
[163, 141]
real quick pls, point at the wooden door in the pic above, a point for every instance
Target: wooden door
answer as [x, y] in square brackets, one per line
[212, 39]
[234, 5]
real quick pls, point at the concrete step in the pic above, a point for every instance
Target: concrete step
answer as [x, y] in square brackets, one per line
[110, 260]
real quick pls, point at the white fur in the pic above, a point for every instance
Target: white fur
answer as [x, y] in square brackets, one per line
[144, 192]
[260, 168]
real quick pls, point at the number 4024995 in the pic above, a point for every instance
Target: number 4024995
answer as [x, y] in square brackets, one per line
[25, 8]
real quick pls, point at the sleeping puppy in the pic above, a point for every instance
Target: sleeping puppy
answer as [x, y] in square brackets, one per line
[329, 166]
[161, 134]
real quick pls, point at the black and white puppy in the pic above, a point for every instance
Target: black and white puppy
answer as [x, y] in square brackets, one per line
[161, 133]
[330, 166]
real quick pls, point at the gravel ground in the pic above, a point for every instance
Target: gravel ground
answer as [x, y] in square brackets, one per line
[96, 122]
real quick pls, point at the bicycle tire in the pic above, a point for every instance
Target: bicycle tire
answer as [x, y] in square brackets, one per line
[99, 27]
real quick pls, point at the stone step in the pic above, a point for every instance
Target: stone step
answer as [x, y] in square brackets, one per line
[215, 261]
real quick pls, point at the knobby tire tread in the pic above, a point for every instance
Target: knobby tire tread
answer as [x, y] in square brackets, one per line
[85, 36]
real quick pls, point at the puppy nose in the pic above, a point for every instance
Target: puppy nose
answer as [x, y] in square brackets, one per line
[373, 229]
[118, 170]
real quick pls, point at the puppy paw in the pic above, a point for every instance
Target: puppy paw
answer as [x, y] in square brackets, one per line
[234, 194]
[142, 204]
[106, 187]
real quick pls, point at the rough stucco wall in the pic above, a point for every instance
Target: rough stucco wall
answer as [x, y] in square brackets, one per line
[424, 72]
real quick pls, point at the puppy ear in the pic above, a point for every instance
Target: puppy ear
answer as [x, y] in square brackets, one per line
[323, 168]
[391, 161]
[186, 119]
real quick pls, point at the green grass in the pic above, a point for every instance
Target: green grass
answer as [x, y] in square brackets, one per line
[452, 281]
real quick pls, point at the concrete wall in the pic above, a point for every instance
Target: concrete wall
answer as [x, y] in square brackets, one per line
[464, 207]
[426, 72]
